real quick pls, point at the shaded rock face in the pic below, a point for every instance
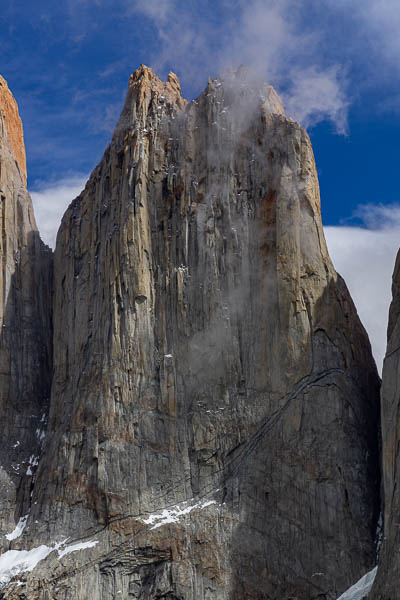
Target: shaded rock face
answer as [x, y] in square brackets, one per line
[386, 584]
[214, 407]
[25, 324]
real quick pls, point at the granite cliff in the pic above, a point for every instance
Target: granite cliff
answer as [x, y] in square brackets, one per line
[25, 323]
[387, 581]
[212, 427]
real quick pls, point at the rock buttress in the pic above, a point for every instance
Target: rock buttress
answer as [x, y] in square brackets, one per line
[214, 402]
[25, 325]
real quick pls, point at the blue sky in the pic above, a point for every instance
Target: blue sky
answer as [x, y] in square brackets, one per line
[336, 64]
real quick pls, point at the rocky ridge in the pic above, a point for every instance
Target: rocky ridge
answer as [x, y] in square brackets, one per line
[212, 425]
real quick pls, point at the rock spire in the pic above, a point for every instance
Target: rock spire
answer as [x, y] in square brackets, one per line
[212, 427]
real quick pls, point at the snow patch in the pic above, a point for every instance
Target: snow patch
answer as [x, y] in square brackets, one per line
[40, 434]
[15, 562]
[33, 462]
[173, 514]
[360, 589]
[18, 529]
[75, 547]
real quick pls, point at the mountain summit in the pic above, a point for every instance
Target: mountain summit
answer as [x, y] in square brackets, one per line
[212, 425]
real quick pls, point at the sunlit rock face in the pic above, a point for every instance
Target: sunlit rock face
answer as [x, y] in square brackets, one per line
[214, 407]
[11, 128]
[387, 581]
[25, 324]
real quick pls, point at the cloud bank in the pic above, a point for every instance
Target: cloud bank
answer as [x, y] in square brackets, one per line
[50, 200]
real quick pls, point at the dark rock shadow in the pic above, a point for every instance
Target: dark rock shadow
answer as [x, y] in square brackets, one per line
[306, 486]
[25, 367]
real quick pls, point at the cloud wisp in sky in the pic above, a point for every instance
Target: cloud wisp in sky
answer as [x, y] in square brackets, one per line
[321, 57]
[375, 42]
[266, 36]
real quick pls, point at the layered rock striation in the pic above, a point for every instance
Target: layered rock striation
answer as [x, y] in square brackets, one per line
[25, 324]
[213, 418]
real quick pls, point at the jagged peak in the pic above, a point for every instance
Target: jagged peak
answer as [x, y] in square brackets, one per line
[243, 87]
[272, 102]
[144, 76]
[146, 89]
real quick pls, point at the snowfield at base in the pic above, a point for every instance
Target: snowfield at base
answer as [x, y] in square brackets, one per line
[360, 589]
[15, 562]
[20, 526]
[173, 514]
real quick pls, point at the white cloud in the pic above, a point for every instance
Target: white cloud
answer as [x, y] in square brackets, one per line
[50, 201]
[275, 42]
[376, 32]
[365, 258]
[158, 10]
[316, 96]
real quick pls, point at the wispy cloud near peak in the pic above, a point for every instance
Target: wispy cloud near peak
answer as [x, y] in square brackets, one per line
[318, 95]
[267, 36]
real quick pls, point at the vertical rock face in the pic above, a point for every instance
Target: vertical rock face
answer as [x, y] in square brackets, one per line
[11, 127]
[25, 324]
[387, 581]
[212, 429]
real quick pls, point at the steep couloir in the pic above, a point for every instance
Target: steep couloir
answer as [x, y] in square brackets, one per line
[213, 421]
[25, 325]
